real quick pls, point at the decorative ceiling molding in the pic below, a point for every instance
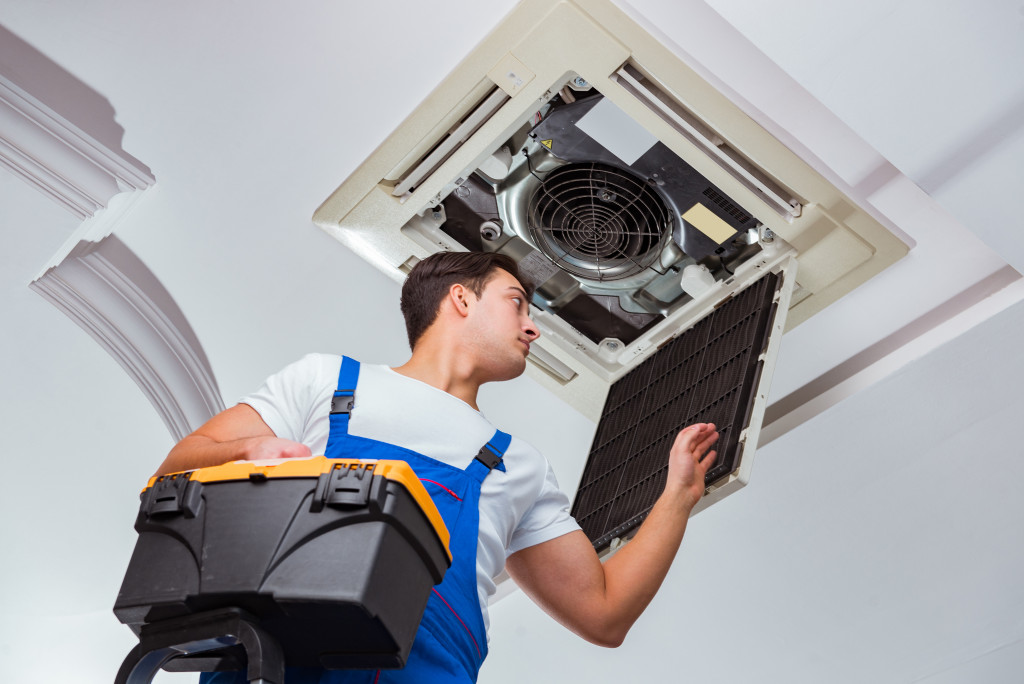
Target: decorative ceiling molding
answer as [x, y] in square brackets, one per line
[58, 158]
[111, 294]
[59, 134]
[62, 137]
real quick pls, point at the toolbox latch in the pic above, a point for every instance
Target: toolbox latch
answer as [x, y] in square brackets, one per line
[346, 485]
[173, 494]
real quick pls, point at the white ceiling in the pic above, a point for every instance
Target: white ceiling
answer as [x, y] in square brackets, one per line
[881, 540]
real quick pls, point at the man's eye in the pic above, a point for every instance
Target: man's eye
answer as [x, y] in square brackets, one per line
[518, 301]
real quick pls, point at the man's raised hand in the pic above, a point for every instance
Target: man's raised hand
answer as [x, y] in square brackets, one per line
[690, 460]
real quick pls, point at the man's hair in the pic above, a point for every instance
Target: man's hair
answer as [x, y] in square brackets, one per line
[429, 281]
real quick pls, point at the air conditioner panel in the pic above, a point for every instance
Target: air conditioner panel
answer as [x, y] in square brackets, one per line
[594, 40]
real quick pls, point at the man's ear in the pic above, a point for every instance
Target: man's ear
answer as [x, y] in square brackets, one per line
[458, 295]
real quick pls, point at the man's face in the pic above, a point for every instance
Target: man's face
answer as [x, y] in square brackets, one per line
[500, 326]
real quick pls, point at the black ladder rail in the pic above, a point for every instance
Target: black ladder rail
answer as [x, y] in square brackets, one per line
[166, 640]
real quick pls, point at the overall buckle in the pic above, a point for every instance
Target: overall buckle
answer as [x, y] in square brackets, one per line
[488, 457]
[342, 402]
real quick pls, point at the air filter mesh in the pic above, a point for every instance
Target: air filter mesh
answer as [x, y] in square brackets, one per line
[708, 374]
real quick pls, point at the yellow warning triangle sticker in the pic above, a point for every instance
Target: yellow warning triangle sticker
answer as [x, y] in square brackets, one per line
[546, 143]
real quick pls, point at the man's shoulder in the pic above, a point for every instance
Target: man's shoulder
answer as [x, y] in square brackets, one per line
[314, 363]
[312, 371]
[328, 362]
[522, 452]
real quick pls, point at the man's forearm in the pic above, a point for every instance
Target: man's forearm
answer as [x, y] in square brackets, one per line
[635, 573]
[234, 434]
[600, 602]
[197, 451]
[633, 576]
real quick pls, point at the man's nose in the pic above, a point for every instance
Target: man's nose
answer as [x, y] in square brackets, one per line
[531, 329]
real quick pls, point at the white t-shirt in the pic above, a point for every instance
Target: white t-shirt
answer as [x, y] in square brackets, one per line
[520, 507]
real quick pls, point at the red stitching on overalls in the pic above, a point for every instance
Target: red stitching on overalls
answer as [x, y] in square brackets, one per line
[423, 479]
[475, 645]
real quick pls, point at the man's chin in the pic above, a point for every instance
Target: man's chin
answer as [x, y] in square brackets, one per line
[514, 371]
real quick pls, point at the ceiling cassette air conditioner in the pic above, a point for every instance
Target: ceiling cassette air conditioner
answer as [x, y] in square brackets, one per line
[669, 237]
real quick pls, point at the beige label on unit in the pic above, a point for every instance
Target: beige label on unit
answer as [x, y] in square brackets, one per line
[704, 220]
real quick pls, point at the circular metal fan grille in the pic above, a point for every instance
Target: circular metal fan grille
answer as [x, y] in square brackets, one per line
[596, 221]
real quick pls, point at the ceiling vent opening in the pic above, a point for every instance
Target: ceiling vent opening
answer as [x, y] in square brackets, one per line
[602, 231]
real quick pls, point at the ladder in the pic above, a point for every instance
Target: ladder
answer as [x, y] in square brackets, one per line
[205, 642]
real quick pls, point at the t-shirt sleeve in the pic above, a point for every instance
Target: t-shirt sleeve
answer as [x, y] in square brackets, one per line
[546, 519]
[288, 399]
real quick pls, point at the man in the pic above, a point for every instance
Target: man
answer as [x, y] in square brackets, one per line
[468, 322]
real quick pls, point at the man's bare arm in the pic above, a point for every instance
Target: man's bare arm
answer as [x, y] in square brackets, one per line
[601, 602]
[235, 434]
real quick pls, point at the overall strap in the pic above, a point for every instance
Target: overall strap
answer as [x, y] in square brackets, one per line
[343, 399]
[490, 455]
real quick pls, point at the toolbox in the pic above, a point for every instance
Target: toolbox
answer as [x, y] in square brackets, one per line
[334, 558]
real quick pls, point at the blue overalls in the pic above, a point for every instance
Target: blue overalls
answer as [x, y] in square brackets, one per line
[451, 642]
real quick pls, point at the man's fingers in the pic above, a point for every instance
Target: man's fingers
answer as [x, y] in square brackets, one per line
[276, 447]
[300, 451]
[690, 433]
[708, 460]
[684, 437]
[705, 444]
[697, 438]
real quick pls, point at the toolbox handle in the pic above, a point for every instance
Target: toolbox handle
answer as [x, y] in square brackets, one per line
[172, 494]
[346, 485]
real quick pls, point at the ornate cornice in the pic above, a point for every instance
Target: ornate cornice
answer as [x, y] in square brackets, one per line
[111, 294]
[57, 157]
[61, 137]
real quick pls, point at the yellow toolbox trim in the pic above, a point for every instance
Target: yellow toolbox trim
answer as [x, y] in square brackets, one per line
[398, 471]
